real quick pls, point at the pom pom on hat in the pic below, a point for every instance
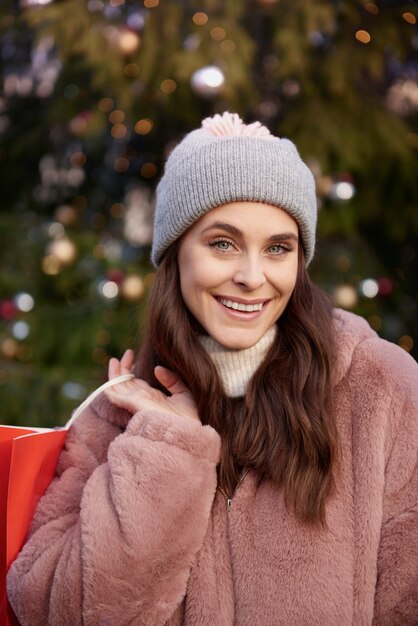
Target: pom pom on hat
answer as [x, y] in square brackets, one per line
[231, 125]
[228, 161]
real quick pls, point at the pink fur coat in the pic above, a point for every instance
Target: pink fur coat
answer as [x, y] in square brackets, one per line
[133, 530]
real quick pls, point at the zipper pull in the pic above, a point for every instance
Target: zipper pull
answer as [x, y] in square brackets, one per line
[229, 503]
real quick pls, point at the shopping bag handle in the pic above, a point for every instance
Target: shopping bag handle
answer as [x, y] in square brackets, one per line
[114, 381]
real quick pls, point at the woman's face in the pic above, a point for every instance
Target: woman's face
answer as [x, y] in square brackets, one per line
[238, 266]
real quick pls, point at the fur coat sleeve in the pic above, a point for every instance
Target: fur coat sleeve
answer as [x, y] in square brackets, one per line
[396, 594]
[128, 518]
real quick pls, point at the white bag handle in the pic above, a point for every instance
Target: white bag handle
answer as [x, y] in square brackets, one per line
[97, 392]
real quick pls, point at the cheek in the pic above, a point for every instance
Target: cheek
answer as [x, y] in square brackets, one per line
[193, 279]
[285, 279]
[195, 284]
[199, 271]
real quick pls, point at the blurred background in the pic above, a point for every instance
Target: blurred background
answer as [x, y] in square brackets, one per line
[95, 93]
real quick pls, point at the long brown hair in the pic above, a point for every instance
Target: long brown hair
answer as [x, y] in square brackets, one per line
[284, 427]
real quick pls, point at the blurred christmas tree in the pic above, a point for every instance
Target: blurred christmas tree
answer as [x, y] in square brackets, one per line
[95, 94]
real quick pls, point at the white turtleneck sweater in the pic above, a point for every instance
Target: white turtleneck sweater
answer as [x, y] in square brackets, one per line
[236, 367]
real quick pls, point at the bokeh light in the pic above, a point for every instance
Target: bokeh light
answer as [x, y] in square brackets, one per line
[208, 81]
[369, 288]
[64, 250]
[372, 8]
[132, 287]
[342, 191]
[409, 17]
[363, 36]
[345, 296]
[217, 33]
[228, 46]
[109, 289]
[20, 330]
[144, 126]
[119, 131]
[105, 105]
[129, 41]
[131, 69]
[121, 165]
[168, 86]
[116, 117]
[24, 302]
[148, 170]
[406, 342]
[200, 18]
[73, 390]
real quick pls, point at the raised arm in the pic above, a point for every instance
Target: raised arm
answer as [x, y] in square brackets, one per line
[114, 539]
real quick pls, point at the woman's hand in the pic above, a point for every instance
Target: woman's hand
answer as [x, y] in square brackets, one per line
[136, 394]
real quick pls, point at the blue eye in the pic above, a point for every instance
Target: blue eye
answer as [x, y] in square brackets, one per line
[277, 249]
[221, 244]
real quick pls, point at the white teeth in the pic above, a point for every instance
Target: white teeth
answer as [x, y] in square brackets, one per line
[247, 308]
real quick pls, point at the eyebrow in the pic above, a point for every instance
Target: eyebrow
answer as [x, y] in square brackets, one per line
[233, 230]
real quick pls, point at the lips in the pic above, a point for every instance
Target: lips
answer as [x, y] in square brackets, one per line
[241, 306]
[238, 306]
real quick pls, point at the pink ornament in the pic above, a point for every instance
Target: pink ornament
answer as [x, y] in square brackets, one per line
[115, 276]
[8, 310]
[385, 286]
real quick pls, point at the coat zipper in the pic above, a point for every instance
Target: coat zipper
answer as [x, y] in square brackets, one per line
[229, 499]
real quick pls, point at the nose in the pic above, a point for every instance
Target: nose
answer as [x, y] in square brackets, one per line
[249, 273]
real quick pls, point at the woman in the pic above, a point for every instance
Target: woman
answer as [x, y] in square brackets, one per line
[260, 469]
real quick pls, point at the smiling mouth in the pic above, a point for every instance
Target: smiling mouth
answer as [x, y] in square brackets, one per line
[239, 306]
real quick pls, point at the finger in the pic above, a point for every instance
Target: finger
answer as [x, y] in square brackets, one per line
[127, 361]
[169, 380]
[113, 368]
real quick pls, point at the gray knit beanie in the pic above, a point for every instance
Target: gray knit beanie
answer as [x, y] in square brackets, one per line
[227, 161]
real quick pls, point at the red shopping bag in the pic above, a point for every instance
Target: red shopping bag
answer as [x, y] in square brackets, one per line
[28, 459]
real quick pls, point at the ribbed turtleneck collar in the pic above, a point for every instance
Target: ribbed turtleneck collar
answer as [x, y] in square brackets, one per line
[236, 367]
